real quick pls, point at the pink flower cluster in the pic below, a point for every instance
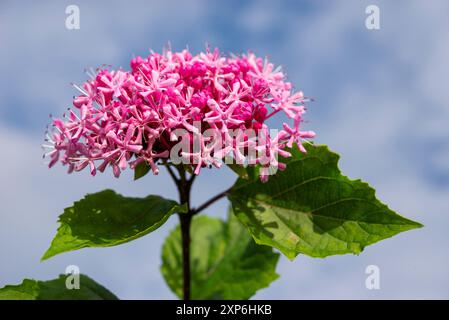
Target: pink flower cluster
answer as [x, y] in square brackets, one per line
[129, 117]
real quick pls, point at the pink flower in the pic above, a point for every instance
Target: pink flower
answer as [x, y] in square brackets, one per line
[210, 153]
[296, 135]
[128, 117]
[269, 151]
[222, 115]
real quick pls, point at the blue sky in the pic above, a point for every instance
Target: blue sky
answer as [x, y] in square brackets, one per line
[381, 102]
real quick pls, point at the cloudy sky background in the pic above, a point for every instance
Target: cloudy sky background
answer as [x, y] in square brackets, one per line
[381, 101]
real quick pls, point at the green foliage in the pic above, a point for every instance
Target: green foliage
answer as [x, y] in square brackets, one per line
[141, 170]
[225, 261]
[56, 290]
[107, 219]
[311, 208]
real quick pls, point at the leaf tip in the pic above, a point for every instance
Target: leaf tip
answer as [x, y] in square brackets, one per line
[416, 225]
[47, 255]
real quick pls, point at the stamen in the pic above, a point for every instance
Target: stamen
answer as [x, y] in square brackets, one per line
[80, 89]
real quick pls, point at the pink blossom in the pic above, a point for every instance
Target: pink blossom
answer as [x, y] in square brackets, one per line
[128, 117]
[296, 135]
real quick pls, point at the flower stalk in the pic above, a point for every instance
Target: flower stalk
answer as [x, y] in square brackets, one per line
[184, 186]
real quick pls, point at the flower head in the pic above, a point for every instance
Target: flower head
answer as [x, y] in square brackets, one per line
[128, 117]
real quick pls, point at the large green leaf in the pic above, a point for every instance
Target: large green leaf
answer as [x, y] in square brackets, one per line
[107, 219]
[226, 263]
[312, 208]
[56, 290]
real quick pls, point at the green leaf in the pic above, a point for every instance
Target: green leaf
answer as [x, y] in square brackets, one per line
[141, 170]
[56, 290]
[226, 263]
[107, 219]
[311, 208]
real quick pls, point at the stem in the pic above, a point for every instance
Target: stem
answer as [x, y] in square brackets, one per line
[185, 220]
[210, 201]
[184, 186]
[172, 174]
